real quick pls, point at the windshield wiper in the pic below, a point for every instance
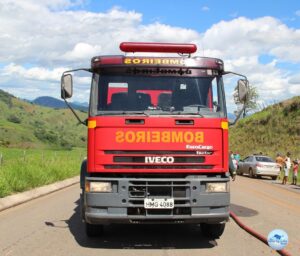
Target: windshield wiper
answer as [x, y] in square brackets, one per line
[173, 113]
[111, 112]
[190, 113]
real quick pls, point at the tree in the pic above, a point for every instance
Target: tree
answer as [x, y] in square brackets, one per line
[251, 103]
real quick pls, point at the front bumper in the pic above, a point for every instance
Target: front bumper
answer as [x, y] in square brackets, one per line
[125, 204]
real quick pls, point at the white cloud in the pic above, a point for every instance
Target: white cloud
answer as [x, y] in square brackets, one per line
[35, 73]
[295, 79]
[41, 39]
[246, 37]
[82, 51]
[240, 42]
[294, 89]
[205, 8]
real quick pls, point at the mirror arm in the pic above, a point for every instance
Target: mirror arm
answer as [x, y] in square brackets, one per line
[75, 114]
[238, 116]
[230, 72]
[78, 69]
[67, 103]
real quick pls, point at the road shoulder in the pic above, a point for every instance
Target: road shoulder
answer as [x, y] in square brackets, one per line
[16, 199]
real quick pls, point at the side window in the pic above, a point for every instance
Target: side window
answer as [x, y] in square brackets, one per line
[215, 104]
[248, 159]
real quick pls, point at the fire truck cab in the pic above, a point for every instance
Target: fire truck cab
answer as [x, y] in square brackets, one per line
[157, 139]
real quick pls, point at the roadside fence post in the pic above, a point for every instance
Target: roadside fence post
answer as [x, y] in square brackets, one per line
[1, 159]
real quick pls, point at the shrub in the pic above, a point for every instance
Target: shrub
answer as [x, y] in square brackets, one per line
[14, 119]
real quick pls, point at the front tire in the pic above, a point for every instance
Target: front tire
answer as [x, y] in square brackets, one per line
[251, 174]
[274, 177]
[93, 230]
[239, 172]
[213, 231]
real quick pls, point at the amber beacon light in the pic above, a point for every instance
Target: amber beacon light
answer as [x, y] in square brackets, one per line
[158, 47]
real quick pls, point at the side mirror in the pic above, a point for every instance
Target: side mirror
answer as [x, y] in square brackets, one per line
[66, 86]
[242, 90]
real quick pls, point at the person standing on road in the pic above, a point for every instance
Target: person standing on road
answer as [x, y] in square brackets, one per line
[237, 157]
[280, 162]
[232, 169]
[287, 167]
[295, 171]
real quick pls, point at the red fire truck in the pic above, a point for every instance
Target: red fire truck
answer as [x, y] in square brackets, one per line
[157, 139]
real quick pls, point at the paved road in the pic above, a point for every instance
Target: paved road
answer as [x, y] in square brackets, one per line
[50, 226]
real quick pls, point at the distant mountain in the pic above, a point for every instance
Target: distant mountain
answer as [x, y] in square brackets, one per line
[83, 104]
[24, 124]
[51, 102]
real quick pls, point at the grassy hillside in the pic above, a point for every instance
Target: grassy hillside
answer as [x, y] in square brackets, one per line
[274, 129]
[25, 125]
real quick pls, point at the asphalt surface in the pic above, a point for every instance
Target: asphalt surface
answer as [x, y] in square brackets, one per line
[51, 225]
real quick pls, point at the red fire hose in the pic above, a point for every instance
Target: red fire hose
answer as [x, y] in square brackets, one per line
[255, 234]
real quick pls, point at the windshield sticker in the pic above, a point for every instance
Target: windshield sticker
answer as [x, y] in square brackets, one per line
[158, 71]
[182, 86]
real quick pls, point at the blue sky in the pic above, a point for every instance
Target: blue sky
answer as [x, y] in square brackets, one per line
[41, 39]
[201, 15]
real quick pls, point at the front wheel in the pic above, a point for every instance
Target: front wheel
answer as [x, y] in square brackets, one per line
[251, 173]
[239, 172]
[93, 230]
[274, 177]
[213, 231]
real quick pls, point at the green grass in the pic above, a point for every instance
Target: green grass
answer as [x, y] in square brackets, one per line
[272, 130]
[22, 170]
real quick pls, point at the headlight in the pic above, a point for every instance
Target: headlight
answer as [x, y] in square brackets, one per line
[94, 186]
[217, 187]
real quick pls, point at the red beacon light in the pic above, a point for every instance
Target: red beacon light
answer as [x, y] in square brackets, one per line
[158, 47]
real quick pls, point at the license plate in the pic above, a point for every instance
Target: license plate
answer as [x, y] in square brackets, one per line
[159, 203]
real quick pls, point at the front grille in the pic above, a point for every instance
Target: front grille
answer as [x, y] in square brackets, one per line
[157, 159]
[139, 190]
[141, 159]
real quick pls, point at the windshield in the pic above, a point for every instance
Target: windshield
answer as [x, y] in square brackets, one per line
[114, 94]
[264, 159]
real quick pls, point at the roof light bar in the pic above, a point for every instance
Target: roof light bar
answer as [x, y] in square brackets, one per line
[158, 47]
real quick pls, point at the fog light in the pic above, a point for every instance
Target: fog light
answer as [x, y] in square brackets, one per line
[217, 187]
[93, 186]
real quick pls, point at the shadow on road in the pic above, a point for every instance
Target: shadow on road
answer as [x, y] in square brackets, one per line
[140, 236]
[242, 211]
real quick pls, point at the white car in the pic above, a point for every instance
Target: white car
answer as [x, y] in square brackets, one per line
[258, 165]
